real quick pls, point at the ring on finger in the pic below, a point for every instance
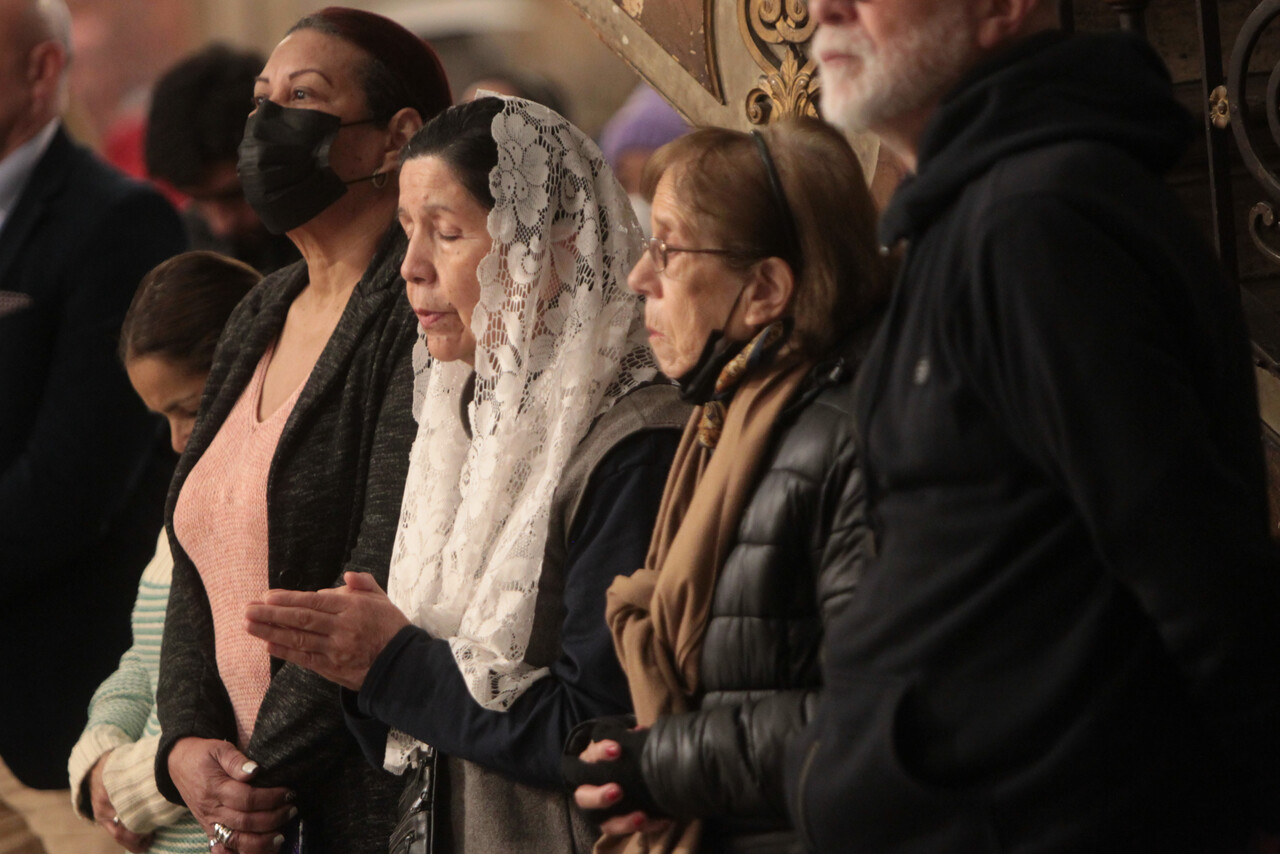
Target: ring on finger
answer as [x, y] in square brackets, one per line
[222, 834]
[212, 842]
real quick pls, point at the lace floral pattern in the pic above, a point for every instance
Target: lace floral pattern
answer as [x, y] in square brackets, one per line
[559, 340]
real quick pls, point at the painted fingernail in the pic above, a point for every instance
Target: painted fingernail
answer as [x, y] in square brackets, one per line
[249, 767]
[637, 820]
[613, 751]
[290, 797]
[293, 813]
[277, 841]
[613, 793]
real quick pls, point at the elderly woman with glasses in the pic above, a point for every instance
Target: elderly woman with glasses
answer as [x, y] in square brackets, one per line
[761, 285]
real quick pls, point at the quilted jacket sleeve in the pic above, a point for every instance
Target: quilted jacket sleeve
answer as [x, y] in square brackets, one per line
[727, 758]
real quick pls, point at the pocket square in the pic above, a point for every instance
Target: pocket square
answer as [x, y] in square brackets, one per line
[12, 301]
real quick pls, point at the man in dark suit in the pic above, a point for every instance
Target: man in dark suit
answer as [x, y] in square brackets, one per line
[83, 466]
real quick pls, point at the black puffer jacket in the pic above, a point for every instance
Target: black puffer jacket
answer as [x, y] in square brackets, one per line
[798, 557]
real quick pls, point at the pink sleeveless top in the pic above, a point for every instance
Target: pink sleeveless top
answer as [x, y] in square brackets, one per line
[221, 521]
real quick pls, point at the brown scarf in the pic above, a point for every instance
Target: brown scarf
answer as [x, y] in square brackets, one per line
[658, 615]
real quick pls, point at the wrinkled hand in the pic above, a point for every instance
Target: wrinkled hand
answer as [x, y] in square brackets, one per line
[602, 797]
[336, 633]
[214, 781]
[105, 814]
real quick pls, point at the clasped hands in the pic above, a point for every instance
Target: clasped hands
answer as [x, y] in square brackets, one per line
[602, 763]
[215, 781]
[337, 633]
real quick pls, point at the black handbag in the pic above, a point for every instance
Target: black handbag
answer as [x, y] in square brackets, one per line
[414, 833]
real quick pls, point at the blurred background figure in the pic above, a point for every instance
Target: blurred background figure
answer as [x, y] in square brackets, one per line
[529, 85]
[121, 47]
[194, 127]
[83, 468]
[643, 124]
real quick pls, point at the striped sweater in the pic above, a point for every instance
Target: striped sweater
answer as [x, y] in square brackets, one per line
[122, 719]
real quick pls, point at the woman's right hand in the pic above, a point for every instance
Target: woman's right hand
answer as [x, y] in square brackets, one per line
[105, 814]
[214, 781]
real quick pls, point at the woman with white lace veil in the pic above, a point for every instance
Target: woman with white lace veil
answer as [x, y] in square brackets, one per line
[545, 435]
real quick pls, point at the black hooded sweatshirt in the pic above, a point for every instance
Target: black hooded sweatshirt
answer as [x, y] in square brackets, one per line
[1069, 640]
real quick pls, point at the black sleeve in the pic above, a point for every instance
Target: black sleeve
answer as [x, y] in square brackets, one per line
[729, 760]
[92, 437]
[1170, 490]
[415, 685]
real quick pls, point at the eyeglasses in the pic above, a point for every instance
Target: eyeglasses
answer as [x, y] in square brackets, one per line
[658, 252]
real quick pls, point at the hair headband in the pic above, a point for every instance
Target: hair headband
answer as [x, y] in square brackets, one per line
[780, 201]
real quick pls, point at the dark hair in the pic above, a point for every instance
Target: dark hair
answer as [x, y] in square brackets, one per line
[401, 71]
[462, 136]
[180, 307]
[722, 184]
[531, 86]
[197, 115]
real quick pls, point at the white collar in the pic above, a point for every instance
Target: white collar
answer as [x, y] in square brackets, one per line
[16, 169]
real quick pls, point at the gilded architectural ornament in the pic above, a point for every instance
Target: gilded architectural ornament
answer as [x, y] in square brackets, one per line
[1219, 107]
[775, 32]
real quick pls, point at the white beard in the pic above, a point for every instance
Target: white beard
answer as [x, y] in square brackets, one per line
[901, 76]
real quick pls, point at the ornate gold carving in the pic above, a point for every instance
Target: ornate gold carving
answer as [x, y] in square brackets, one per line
[774, 32]
[1220, 107]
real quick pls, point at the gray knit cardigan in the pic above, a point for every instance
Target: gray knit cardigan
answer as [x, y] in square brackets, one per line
[333, 500]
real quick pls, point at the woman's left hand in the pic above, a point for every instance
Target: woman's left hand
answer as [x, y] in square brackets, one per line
[336, 633]
[603, 797]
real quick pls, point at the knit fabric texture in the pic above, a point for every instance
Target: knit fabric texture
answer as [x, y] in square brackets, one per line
[221, 521]
[122, 719]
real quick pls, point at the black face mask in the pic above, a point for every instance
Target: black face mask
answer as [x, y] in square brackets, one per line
[698, 384]
[284, 164]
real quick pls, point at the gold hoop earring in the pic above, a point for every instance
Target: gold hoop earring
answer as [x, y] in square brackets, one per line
[379, 180]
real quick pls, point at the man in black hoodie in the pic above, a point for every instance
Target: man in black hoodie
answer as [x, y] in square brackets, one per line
[1070, 638]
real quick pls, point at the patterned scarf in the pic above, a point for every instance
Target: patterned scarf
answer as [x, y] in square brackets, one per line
[764, 346]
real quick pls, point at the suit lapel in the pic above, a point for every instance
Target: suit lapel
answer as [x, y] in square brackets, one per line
[46, 182]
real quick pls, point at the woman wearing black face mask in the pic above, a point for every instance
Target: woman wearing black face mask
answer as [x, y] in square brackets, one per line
[295, 467]
[761, 286]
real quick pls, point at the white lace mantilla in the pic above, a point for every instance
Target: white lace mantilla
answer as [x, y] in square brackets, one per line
[559, 340]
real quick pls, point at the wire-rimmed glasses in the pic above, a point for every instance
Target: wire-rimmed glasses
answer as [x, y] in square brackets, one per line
[658, 252]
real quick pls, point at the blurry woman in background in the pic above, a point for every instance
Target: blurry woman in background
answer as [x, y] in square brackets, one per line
[294, 470]
[166, 344]
[761, 284]
[542, 448]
